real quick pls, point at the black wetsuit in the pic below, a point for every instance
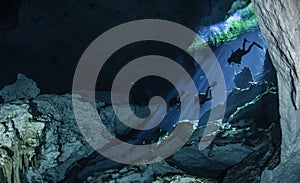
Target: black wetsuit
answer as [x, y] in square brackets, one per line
[236, 56]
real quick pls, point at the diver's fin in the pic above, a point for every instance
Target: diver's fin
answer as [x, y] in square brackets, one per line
[258, 45]
[245, 40]
[213, 84]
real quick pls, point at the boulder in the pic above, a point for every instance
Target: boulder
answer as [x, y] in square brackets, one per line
[242, 79]
[23, 88]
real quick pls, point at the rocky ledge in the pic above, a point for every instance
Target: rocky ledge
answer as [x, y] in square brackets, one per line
[40, 141]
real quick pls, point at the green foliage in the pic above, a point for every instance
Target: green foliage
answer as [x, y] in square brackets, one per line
[243, 20]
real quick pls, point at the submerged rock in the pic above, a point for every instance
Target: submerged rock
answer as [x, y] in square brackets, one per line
[245, 145]
[142, 173]
[269, 73]
[237, 98]
[23, 88]
[159, 172]
[242, 79]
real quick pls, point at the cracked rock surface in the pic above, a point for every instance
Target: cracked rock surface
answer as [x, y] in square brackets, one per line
[280, 26]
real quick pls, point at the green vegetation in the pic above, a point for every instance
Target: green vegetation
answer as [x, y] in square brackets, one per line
[241, 21]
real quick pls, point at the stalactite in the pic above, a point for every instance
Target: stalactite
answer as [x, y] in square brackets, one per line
[23, 137]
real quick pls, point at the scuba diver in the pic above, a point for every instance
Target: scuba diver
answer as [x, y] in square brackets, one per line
[236, 56]
[176, 100]
[204, 97]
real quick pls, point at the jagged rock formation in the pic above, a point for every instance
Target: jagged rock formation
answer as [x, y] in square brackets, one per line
[280, 26]
[40, 141]
[23, 88]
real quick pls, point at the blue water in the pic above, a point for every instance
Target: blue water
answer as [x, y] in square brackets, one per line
[254, 60]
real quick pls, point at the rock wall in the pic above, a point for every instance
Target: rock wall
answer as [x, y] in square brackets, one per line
[279, 23]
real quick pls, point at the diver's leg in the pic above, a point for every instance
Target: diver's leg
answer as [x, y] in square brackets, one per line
[206, 93]
[210, 96]
[254, 43]
[244, 43]
[250, 47]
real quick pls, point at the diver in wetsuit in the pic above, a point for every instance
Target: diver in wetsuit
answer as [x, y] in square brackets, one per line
[176, 100]
[236, 56]
[204, 97]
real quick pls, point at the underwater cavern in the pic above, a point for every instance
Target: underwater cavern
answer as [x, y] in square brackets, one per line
[227, 110]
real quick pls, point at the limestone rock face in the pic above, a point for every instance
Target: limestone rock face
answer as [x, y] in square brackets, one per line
[280, 23]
